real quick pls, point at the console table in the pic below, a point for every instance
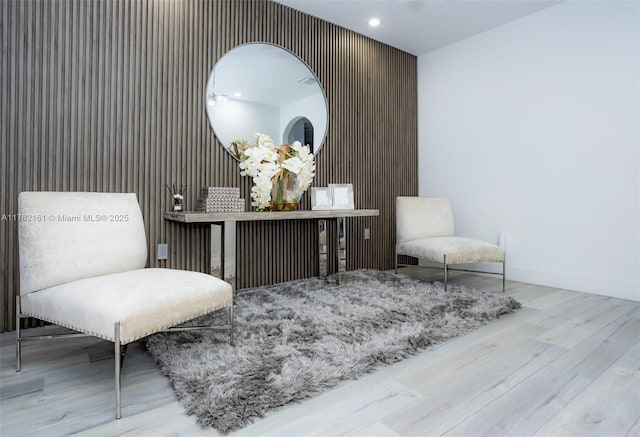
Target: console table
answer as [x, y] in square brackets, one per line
[223, 234]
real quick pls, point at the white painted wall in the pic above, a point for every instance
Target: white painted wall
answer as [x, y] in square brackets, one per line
[237, 119]
[532, 129]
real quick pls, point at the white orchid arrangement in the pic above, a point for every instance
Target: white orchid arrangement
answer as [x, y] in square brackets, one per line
[272, 169]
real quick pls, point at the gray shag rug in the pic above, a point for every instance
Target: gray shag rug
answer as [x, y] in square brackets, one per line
[300, 338]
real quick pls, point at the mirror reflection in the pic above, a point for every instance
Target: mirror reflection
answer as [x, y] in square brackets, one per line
[264, 88]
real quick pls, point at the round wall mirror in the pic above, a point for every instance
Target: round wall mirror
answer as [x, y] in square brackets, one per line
[264, 88]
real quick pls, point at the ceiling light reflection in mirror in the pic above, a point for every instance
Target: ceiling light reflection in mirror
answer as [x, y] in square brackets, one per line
[260, 87]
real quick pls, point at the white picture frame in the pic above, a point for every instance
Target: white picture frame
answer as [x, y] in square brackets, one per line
[341, 196]
[321, 198]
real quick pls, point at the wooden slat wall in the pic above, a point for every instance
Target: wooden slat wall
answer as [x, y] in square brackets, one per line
[108, 96]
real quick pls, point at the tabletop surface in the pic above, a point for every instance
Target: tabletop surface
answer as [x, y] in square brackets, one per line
[212, 217]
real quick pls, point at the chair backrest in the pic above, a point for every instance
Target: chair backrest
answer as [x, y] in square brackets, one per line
[423, 217]
[66, 236]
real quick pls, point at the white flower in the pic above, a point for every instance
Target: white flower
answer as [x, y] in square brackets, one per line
[261, 161]
[178, 196]
[294, 165]
[305, 177]
[305, 154]
[264, 140]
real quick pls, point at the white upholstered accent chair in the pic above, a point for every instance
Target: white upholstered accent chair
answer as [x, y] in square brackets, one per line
[82, 258]
[425, 230]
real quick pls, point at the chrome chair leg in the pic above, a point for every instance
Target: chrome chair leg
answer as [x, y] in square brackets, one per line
[504, 274]
[231, 339]
[18, 338]
[446, 273]
[117, 355]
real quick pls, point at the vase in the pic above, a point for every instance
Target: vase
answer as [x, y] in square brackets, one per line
[283, 195]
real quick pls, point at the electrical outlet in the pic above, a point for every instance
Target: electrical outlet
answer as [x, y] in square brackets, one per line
[367, 233]
[163, 251]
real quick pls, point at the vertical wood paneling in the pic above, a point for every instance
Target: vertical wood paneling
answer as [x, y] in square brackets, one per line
[109, 96]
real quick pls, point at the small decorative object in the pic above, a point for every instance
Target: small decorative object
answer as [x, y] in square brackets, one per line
[280, 174]
[320, 198]
[178, 199]
[221, 199]
[342, 196]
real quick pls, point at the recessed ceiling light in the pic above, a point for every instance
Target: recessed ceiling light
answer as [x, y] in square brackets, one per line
[237, 94]
[374, 22]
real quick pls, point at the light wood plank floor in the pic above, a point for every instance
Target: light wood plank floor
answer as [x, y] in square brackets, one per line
[566, 364]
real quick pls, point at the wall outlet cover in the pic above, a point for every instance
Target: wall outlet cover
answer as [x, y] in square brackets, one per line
[163, 251]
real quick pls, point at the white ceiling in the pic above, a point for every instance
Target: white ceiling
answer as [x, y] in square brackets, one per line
[419, 26]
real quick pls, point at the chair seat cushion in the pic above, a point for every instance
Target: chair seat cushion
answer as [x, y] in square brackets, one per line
[144, 301]
[458, 250]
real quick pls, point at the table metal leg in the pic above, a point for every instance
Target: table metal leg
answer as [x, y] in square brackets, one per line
[217, 251]
[230, 253]
[223, 251]
[322, 248]
[341, 245]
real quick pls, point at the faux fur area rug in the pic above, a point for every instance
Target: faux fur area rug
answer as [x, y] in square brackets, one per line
[297, 339]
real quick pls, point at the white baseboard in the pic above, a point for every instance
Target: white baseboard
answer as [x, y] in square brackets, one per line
[606, 286]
